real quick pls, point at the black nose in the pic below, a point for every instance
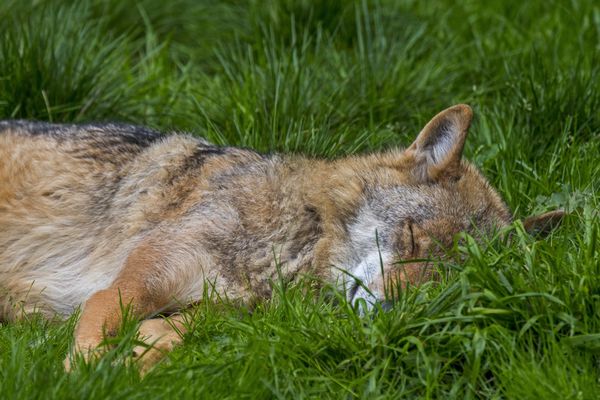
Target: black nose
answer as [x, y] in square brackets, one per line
[387, 305]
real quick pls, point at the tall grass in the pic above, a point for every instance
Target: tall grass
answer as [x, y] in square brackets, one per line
[512, 319]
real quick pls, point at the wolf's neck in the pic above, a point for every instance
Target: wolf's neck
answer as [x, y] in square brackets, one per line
[332, 188]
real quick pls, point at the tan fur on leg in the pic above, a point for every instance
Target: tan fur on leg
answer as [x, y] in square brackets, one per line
[102, 313]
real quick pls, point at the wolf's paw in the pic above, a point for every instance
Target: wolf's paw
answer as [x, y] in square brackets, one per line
[87, 352]
[157, 338]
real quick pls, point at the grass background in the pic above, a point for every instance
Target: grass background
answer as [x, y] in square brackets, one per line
[514, 320]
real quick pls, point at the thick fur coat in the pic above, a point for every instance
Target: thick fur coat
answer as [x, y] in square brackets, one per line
[95, 215]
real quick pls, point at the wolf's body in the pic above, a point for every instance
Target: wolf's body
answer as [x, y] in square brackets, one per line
[76, 201]
[98, 214]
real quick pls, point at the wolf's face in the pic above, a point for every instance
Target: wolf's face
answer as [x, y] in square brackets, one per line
[398, 229]
[406, 221]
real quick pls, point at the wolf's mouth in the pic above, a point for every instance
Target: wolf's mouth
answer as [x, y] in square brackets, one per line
[359, 292]
[369, 300]
[352, 291]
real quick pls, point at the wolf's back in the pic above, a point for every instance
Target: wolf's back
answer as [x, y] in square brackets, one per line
[79, 141]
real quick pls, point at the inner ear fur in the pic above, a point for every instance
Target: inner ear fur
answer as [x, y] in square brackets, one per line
[438, 147]
[543, 224]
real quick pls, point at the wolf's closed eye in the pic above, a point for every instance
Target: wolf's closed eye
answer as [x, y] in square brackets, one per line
[408, 245]
[413, 246]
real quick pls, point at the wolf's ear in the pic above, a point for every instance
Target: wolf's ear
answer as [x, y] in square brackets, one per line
[438, 148]
[543, 224]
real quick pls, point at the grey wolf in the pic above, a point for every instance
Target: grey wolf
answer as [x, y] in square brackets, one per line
[98, 215]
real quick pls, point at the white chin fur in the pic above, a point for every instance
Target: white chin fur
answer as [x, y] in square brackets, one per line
[364, 301]
[368, 272]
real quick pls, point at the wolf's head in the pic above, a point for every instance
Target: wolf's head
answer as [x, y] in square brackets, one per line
[415, 202]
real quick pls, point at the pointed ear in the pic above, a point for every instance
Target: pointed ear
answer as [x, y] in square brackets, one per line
[543, 224]
[438, 148]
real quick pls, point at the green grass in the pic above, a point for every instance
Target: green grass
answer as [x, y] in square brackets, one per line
[515, 320]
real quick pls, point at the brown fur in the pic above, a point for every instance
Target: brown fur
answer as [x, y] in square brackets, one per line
[105, 215]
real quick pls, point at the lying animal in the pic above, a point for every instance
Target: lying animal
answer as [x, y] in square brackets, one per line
[105, 215]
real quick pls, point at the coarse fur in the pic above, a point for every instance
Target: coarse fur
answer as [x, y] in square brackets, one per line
[103, 214]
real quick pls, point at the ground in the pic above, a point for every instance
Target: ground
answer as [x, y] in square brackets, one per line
[511, 319]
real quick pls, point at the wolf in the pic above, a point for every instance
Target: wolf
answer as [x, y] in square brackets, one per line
[100, 215]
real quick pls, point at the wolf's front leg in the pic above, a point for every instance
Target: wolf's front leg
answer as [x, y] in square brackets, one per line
[101, 316]
[135, 290]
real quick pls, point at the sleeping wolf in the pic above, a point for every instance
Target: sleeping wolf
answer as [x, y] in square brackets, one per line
[105, 215]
